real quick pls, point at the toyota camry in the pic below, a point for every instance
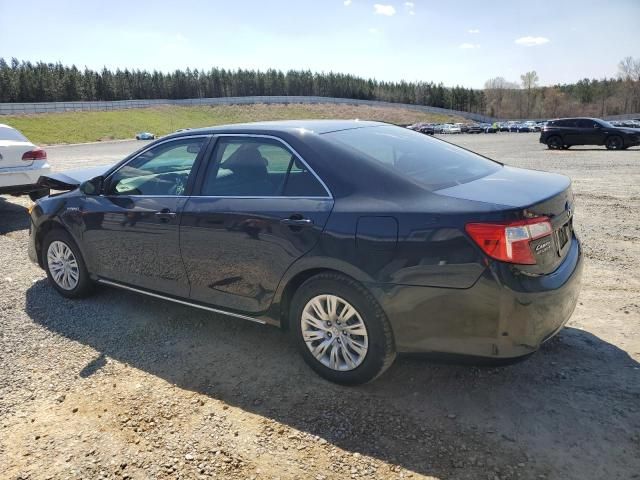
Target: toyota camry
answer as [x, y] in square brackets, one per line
[362, 239]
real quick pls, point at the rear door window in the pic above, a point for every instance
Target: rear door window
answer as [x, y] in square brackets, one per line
[568, 122]
[585, 123]
[258, 167]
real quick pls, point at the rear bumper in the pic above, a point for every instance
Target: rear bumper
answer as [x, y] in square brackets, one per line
[499, 317]
[22, 180]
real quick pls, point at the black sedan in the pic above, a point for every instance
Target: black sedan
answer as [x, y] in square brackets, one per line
[363, 239]
[566, 132]
[475, 128]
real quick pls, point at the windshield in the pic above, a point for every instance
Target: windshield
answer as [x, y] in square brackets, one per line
[432, 163]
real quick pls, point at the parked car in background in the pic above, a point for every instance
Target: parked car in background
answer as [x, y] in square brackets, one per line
[566, 132]
[285, 223]
[625, 123]
[145, 136]
[533, 126]
[426, 128]
[521, 128]
[489, 128]
[475, 128]
[21, 164]
[449, 128]
[503, 126]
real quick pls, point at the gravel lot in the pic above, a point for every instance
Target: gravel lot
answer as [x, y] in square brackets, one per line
[120, 385]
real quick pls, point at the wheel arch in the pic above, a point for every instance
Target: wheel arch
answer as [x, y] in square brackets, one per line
[295, 277]
[47, 226]
[43, 229]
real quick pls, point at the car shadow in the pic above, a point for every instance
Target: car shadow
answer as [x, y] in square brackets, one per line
[12, 217]
[551, 405]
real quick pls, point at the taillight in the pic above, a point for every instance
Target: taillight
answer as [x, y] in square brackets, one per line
[35, 154]
[509, 242]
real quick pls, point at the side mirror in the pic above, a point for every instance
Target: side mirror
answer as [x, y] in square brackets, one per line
[92, 187]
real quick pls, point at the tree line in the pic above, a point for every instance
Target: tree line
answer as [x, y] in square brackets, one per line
[24, 81]
[587, 97]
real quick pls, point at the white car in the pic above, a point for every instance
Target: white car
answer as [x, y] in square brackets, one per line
[21, 164]
[451, 129]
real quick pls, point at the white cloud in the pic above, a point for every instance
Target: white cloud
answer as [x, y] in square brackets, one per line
[532, 41]
[473, 30]
[387, 10]
[411, 12]
[347, 3]
[409, 7]
[409, 4]
[469, 45]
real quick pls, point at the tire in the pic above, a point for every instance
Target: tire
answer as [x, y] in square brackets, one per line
[36, 194]
[554, 142]
[566, 147]
[351, 365]
[614, 143]
[57, 240]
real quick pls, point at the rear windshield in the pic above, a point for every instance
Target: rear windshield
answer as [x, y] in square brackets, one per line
[8, 133]
[432, 163]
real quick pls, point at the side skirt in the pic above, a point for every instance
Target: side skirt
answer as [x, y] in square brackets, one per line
[182, 302]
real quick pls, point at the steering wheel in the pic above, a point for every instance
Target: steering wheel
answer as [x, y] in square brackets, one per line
[179, 183]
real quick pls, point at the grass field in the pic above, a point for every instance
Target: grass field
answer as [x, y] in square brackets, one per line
[78, 127]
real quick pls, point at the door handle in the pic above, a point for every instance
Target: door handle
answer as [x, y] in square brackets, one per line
[295, 221]
[165, 215]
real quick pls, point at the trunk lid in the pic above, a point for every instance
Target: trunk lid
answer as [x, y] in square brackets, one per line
[11, 152]
[527, 194]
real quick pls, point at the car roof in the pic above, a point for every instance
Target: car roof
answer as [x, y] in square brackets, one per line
[313, 126]
[575, 118]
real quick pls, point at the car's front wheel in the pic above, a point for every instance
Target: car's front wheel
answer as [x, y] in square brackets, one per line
[614, 143]
[341, 330]
[64, 265]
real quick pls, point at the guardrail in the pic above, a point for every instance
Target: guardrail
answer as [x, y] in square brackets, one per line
[53, 107]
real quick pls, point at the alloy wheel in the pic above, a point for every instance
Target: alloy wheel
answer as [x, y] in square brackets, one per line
[63, 265]
[614, 143]
[334, 332]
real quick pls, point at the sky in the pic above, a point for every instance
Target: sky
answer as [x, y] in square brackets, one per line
[456, 42]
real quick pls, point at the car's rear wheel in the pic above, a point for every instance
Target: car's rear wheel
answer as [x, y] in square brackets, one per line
[554, 142]
[566, 147]
[614, 143]
[64, 265]
[341, 330]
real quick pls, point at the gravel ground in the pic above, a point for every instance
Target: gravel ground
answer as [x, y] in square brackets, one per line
[124, 386]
